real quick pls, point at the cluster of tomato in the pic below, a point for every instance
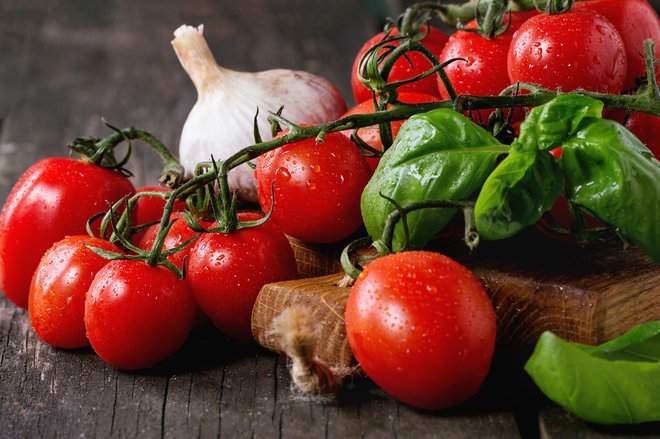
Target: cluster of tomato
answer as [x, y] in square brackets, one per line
[420, 324]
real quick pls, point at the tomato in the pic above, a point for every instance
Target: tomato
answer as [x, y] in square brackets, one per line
[226, 272]
[485, 71]
[636, 21]
[421, 327]
[57, 292]
[371, 135]
[647, 128]
[179, 233]
[52, 199]
[403, 69]
[150, 209]
[136, 314]
[317, 187]
[576, 49]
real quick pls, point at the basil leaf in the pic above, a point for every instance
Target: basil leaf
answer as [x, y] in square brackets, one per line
[548, 125]
[612, 174]
[517, 193]
[439, 155]
[615, 383]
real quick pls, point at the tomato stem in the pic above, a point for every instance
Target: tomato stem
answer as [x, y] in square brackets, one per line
[99, 152]
[383, 246]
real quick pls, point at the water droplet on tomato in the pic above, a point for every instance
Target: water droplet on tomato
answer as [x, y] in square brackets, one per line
[317, 168]
[311, 185]
[283, 173]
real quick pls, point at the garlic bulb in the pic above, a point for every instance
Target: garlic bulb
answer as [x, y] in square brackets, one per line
[221, 122]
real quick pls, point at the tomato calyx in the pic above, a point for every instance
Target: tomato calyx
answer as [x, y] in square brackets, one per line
[376, 64]
[383, 246]
[100, 151]
[491, 22]
[154, 256]
[554, 6]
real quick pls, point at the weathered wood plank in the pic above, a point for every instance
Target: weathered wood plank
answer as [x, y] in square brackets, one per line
[556, 423]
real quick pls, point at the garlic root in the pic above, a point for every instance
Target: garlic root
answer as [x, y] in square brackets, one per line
[221, 121]
[298, 337]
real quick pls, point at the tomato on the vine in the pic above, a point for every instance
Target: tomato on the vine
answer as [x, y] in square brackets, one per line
[317, 187]
[371, 135]
[636, 21]
[57, 292]
[52, 199]
[421, 327]
[575, 49]
[179, 233]
[403, 68]
[137, 315]
[150, 209]
[226, 272]
[482, 71]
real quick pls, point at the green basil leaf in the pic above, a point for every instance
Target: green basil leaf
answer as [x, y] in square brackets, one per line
[615, 383]
[517, 193]
[612, 174]
[548, 125]
[440, 155]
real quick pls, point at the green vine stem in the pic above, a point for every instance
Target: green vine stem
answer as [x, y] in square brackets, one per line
[453, 14]
[96, 150]
[383, 246]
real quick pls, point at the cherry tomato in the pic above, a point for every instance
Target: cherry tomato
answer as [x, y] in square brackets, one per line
[226, 272]
[371, 135]
[647, 128]
[57, 292]
[576, 49]
[403, 69]
[136, 314]
[421, 327]
[317, 187]
[52, 199]
[179, 233]
[636, 21]
[484, 73]
[150, 209]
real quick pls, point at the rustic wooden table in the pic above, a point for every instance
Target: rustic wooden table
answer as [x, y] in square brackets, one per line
[67, 63]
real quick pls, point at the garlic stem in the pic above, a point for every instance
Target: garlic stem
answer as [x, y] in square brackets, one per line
[196, 57]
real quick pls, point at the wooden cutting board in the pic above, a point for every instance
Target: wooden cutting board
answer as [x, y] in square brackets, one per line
[587, 295]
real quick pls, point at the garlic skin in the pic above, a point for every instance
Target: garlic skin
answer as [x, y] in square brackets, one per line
[221, 121]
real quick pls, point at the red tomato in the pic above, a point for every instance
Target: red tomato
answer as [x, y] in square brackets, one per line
[485, 71]
[226, 272]
[317, 187]
[178, 234]
[52, 199]
[421, 327]
[57, 293]
[576, 49]
[647, 128]
[403, 69]
[636, 21]
[371, 135]
[136, 314]
[150, 209]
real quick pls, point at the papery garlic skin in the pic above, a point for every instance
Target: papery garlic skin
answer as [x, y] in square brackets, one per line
[221, 121]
